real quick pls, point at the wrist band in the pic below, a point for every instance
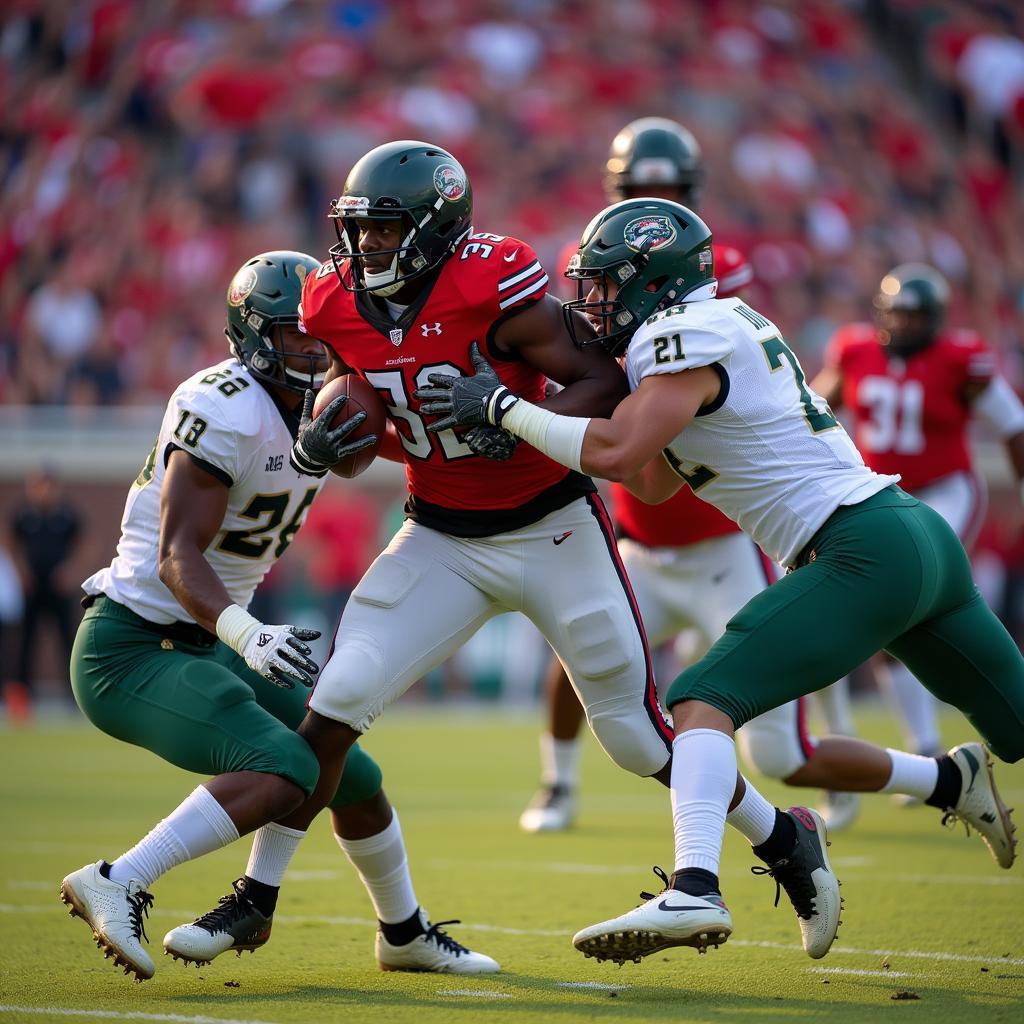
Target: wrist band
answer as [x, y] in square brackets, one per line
[235, 625]
[559, 437]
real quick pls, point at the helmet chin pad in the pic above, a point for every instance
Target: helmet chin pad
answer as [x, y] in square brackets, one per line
[384, 282]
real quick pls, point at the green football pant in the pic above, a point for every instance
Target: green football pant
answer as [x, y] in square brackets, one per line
[886, 573]
[200, 708]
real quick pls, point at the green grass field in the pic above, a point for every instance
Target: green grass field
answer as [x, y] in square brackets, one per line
[927, 911]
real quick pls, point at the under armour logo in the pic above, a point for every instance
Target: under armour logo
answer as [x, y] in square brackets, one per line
[427, 329]
[264, 639]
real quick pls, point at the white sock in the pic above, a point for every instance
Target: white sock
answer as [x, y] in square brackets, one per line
[703, 782]
[753, 816]
[917, 707]
[384, 868]
[559, 761]
[196, 826]
[273, 847]
[913, 775]
[834, 702]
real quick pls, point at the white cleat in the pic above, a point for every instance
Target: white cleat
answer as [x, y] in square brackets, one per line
[114, 912]
[434, 951]
[979, 806]
[840, 810]
[810, 884]
[671, 918]
[553, 809]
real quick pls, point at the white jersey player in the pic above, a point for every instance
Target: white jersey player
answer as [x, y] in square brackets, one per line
[168, 658]
[719, 401]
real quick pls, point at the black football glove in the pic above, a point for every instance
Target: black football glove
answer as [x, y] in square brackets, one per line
[466, 401]
[317, 447]
[491, 442]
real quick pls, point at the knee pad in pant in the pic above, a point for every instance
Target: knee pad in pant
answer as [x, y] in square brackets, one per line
[607, 665]
[353, 684]
[771, 743]
[629, 736]
[291, 757]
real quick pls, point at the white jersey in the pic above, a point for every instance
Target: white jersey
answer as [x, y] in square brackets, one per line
[229, 423]
[768, 453]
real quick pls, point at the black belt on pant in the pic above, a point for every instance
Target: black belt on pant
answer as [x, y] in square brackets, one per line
[183, 632]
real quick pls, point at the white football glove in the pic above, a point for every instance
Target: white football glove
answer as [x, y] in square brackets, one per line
[277, 653]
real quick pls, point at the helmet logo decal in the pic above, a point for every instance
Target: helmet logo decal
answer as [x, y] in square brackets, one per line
[659, 229]
[351, 205]
[450, 182]
[705, 258]
[241, 286]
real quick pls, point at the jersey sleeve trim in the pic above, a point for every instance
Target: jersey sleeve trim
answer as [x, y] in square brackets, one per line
[208, 467]
[723, 391]
[521, 285]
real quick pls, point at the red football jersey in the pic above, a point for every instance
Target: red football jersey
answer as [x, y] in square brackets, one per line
[684, 518]
[488, 278]
[910, 415]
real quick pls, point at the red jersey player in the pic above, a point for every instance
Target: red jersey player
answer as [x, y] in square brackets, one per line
[912, 387]
[689, 565]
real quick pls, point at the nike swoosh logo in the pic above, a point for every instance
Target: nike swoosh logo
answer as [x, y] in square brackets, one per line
[511, 256]
[565, 536]
[665, 905]
[972, 762]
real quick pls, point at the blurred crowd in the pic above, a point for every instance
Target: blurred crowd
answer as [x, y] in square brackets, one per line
[148, 149]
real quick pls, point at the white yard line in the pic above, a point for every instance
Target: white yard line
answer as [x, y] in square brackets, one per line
[914, 954]
[365, 922]
[858, 972]
[476, 992]
[176, 1018]
[595, 986]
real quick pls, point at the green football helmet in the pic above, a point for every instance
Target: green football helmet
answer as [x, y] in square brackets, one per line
[654, 153]
[421, 185]
[910, 307]
[655, 251]
[262, 298]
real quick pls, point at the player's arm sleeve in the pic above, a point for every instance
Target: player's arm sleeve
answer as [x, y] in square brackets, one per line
[1000, 408]
[198, 428]
[671, 346]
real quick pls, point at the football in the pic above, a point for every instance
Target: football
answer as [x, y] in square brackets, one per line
[361, 398]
